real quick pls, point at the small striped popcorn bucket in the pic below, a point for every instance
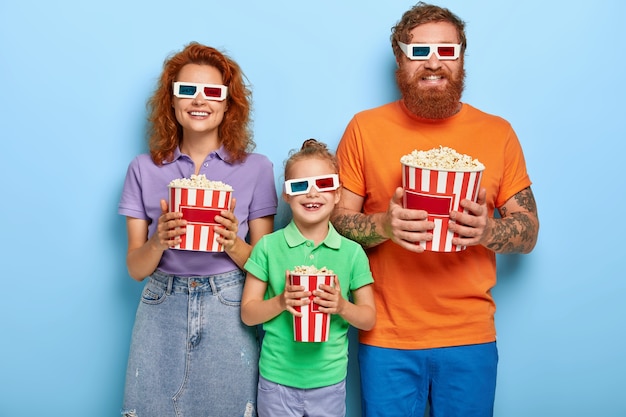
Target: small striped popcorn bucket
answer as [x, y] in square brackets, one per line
[313, 326]
[199, 207]
[439, 192]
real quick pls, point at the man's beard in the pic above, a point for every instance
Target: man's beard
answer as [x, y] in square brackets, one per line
[431, 103]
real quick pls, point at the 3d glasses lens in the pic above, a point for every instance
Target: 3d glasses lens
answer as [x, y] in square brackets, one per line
[212, 92]
[445, 51]
[421, 51]
[187, 90]
[299, 186]
[326, 183]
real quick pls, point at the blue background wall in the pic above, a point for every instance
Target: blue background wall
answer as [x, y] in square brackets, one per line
[75, 79]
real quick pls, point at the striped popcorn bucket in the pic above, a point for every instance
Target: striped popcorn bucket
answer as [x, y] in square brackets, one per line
[199, 207]
[439, 192]
[314, 325]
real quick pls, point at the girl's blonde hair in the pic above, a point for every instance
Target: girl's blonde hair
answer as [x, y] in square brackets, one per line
[311, 149]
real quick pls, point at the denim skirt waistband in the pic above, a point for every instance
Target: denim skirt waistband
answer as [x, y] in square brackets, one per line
[186, 285]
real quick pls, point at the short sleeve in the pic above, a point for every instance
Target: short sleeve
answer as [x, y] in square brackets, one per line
[350, 156]
[264, 199]
[515, 176]
[131, 203]
[361, 273]
[257, 264]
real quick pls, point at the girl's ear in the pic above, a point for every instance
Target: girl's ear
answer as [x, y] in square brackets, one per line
[338, 194]
[285, 197]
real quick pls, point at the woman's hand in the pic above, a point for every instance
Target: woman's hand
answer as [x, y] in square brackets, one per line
[144, 254]
[171, 227]
[230, 226]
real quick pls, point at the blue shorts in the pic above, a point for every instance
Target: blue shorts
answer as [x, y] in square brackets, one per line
[454, 381]
[275, 400]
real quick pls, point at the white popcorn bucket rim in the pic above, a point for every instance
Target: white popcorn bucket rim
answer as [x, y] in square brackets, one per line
[190, 187]
[477, 169]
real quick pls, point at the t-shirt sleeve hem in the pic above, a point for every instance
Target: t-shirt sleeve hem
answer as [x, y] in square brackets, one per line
[268, 211]
[128, 212]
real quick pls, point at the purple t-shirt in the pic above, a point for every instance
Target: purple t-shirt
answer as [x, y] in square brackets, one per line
[146, 185]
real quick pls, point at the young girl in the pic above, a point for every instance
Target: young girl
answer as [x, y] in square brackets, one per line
[190, 354]
[303, 378]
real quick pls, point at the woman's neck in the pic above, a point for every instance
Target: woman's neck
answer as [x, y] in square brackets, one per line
[198, 147]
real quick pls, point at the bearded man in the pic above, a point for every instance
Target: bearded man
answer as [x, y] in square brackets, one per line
[434, 342]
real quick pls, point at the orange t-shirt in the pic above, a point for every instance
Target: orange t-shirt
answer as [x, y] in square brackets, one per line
[430, 299]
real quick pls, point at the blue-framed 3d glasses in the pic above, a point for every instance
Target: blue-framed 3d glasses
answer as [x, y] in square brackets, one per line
[423, 51]
[214, 92]
[322, 183]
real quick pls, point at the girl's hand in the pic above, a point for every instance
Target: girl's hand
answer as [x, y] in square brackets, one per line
[329, 298]
[171, 227]
[293, 296]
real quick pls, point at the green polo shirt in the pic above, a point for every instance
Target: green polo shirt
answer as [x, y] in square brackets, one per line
[306, 364]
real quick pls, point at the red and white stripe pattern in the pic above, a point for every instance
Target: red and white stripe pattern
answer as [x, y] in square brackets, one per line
[199, 208]
[434, 191]
[313, 326]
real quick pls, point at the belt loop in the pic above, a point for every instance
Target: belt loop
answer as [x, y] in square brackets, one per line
[213, 284]
[170, 283]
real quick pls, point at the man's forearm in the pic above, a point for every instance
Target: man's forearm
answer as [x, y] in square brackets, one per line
[359, 227]
[515, 232]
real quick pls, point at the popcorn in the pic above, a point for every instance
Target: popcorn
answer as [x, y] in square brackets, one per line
[311, 270]
[200, 181]
[442, 158]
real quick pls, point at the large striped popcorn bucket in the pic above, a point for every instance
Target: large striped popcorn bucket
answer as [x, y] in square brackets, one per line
[313, 326]
[439, 192]
[199, 207]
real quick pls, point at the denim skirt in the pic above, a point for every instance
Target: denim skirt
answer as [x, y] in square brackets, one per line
[190, 354]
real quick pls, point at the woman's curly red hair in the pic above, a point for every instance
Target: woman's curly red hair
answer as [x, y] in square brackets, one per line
[165, 132]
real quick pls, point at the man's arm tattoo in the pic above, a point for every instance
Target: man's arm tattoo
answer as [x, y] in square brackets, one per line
[358, 227]
[516, 232]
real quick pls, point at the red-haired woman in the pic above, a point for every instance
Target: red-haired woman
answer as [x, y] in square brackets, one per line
[190, 353]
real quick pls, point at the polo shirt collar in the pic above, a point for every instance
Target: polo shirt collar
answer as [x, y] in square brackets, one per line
[295, 238]
[222, 153]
